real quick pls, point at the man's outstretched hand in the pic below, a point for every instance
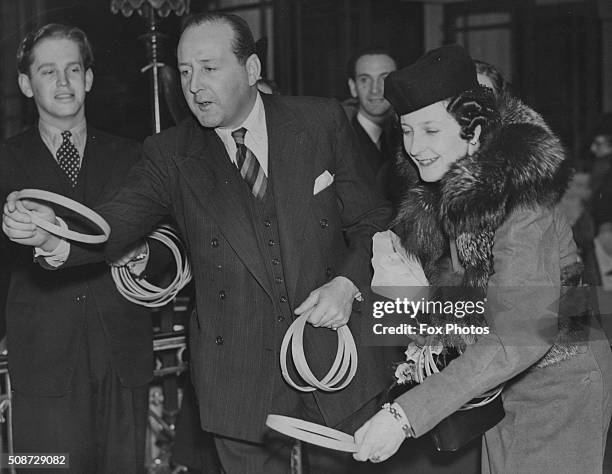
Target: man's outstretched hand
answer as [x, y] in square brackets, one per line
[18, 226]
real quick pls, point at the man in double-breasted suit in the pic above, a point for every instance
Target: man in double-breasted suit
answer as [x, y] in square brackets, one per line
[264, 190]
[80, 355]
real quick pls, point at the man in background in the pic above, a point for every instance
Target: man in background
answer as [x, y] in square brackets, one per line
[373, 121]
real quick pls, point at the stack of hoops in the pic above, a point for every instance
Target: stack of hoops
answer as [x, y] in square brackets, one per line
[142, 292]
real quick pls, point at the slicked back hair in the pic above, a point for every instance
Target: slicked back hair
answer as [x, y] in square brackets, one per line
[56, 31]
[243, 44]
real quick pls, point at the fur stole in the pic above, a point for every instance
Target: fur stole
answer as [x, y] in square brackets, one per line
[522, 164]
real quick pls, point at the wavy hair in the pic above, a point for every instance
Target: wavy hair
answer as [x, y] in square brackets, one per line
[475, 107]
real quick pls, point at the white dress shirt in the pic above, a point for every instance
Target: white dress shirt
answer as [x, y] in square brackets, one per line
[52, 137]
[255, 139]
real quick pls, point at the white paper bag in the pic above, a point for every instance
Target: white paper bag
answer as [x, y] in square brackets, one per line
[394, 271]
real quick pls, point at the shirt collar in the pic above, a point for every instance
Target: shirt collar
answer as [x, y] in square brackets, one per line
[255, 122]
[52, 136]
[256, 138]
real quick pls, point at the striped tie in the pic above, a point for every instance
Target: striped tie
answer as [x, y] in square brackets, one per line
[250, 169]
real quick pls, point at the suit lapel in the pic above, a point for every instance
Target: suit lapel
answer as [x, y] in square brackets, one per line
[208, 172]
[291, 170]
[40, 167]
[371, 151]
[96, 168]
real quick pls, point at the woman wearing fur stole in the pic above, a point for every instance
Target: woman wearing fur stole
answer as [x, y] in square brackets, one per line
[491, 175]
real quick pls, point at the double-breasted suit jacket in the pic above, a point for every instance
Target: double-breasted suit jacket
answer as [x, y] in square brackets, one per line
[239, 322]
[47, 311]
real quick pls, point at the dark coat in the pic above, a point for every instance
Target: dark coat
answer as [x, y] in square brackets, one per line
[236, 332]
[47, 310]
[374, 157]
[381, 162]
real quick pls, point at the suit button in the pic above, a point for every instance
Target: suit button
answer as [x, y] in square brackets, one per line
[218, 266]
[280, 319]
[278, 280]
[283, 299]
[271, 242]
[219, 340]
[267, 223]
[214, 243]
[222, 294]
[275, 261]
[323, 223]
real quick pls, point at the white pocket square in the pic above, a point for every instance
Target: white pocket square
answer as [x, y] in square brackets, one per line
[322, 181]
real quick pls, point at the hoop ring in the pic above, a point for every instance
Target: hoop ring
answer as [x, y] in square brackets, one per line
[75, 206]
[343, 368]
[142, 292]
[312, 433]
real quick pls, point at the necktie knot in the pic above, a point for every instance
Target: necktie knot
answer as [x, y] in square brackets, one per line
[66, 134]
[248, 165]
[238, 136]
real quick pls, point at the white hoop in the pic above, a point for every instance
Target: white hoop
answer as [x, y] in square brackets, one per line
[312, 433]
[68, 203]
[344, 366]
[146, 294]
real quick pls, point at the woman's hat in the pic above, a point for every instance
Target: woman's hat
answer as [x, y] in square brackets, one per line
[439, 74]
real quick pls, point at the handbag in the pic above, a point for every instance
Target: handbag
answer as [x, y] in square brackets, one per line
[459, 429]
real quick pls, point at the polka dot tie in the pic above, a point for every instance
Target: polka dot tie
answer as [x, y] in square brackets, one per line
[248, 164]
[68, 158]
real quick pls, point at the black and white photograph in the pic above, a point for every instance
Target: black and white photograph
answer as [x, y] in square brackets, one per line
[306, 236]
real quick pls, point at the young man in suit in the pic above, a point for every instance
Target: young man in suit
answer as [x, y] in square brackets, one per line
[264, 190]
[80, 355]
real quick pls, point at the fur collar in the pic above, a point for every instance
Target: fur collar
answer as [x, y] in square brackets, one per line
[521, 164]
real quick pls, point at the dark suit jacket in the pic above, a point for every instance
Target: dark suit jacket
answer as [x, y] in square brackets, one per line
[375, 158]
[382, 162]
[235, 335]
[47, 310]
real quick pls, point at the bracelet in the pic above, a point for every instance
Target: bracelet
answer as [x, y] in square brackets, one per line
[400, 417]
